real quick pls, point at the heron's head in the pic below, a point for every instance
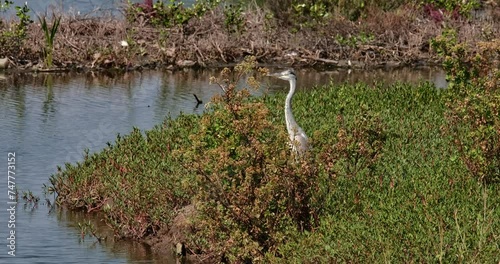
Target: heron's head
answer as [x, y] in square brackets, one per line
[285, 75]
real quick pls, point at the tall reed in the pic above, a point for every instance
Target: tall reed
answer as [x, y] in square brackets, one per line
[50, 34]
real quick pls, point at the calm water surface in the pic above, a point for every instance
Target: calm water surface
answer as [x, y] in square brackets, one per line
[49, 119]
[79, 7]
[84, 7]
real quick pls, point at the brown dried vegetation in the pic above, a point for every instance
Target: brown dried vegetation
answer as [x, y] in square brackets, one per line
[380, 38]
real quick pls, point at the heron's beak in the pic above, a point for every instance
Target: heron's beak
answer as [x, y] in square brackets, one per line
[276, 74]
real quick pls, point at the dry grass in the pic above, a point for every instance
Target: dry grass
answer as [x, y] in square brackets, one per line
[401, 36]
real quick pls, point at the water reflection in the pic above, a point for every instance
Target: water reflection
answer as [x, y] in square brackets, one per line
[132, 251]
[49, 119]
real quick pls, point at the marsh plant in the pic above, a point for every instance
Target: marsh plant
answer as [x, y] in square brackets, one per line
[22, 12]
[29, 197]
[474, 104]
[5, 5]
[89, 229]
[168, 13]
[50, 35]
[250, 192]
[136, 181]
[234, 20]
[30, 200]
[12, 37]
[382, 182]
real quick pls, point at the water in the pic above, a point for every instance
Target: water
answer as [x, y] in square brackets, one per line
[82, 7]
[49, 119]
[78, 7]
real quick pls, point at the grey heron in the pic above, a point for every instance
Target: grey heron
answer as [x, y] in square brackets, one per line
[298, 138]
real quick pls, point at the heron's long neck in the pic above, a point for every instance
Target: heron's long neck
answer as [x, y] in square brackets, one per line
[290, 120]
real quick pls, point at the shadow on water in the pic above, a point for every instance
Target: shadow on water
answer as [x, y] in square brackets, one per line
[49, 119]
[132, 251]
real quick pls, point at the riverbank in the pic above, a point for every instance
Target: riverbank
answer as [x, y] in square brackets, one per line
[222, 36]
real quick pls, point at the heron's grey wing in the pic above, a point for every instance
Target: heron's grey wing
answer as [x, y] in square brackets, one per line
[301, 142]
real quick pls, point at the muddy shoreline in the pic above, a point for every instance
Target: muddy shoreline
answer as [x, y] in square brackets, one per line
[398, 38]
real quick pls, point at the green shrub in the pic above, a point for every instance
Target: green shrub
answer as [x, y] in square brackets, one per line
[138, 182]
[170, 14]
[5, 5]
[307, 12]
[462, 7]
[250, 190]
[415, 203]
[234, 20]
[11, 39]
[474, 104]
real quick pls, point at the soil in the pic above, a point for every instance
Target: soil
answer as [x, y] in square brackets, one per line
[166, 241]
[380, 39]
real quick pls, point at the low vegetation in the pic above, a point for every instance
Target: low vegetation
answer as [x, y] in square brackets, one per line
[136, 181]
[474, 103]
[397, 173]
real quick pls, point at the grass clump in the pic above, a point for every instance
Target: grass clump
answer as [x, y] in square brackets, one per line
[50, 34]
[385, 181]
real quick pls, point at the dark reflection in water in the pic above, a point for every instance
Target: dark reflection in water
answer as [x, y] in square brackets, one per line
[49, 119]
[132, 251]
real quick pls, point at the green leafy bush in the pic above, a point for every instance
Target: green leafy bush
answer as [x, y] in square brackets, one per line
[4, 5]
[415, 203]
[462, 7]
[234, 20]
[474, 103]
[138, 182]
[250, 191]
[170, 14]
[11, 39]
[309, 11]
